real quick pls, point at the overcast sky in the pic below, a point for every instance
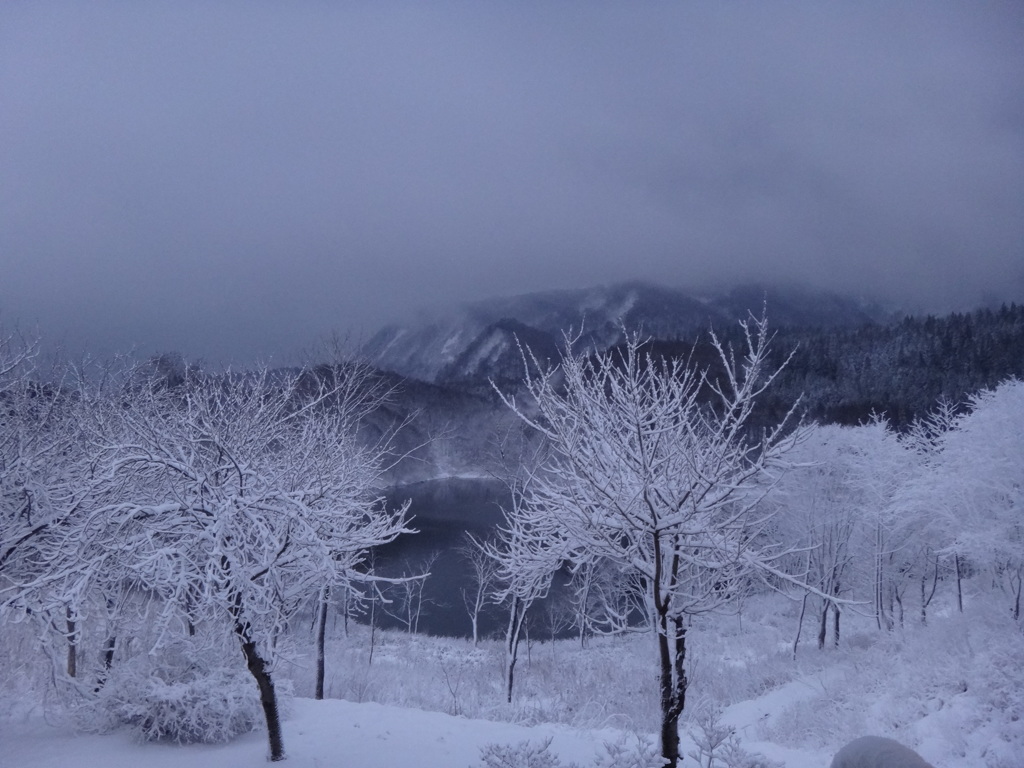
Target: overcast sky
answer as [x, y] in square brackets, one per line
[233, 180]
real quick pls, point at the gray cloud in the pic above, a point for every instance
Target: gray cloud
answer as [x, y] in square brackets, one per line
[238, 179]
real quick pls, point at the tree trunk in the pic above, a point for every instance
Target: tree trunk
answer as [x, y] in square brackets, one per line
[924, 605]
[107, 660]
[673, 683]
[517, 615]
[511, 646]
[835, 625]
[879, 599]
[268, 696]
[257, 666]
[926, 599]
[72, 643]
[822, 626]
[959, 589]
[1015, 585]
[800, 624]
[373, 632]
[414, 625]
[584, 598]
[803, 612]
[346, 598]
[321, 635]
[108, 653]
[529, 645]
[190, 613]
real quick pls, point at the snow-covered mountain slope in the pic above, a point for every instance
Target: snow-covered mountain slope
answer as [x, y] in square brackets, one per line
[481, 340]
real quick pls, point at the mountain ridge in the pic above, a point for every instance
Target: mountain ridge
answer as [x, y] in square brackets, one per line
[480, 340]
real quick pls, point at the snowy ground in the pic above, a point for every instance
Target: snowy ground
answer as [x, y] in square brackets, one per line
[319, 734]
[331, 733]
[952, 690]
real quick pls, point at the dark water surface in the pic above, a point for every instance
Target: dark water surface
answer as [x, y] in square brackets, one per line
[443, 511]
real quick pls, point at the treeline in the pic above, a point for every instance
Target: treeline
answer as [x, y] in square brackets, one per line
[897, 371]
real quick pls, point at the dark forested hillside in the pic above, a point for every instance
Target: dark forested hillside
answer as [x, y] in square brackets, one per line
[898, 370]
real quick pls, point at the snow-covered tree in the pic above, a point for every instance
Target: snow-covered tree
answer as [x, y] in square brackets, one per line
[653, 464]
[236, 498]
[20, 519]
[979, 485]
[404, 592]
[917, 501]
[881, 468]
[49, 482]
[482, 573]
[528, 549]
[818, 507]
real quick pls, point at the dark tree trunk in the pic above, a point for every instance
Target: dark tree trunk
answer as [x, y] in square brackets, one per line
[373, 627]
[108, 653]
[1015, 585]
[517, 616]
[890, 617]
[800, 625]
[510, 680]
[926, 598]
[584, 598]
[72, 643]
[924, 605]
[673, 685]
[268, 696]
[671, 656]
[836, 591]
[190, 614]
[108, 661]
[959, 589]
[257, 666]
[529, 645]
[822, 626]
[346, 597]
[803, 612]
[321, 635]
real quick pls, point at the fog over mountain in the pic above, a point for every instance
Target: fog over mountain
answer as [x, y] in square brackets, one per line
[479, 340]
[236, 180]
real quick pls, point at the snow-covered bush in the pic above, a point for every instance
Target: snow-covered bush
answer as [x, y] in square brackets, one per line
[630, 751]
[525, 754]
[180, 696]
[637, 752]
[719, 747]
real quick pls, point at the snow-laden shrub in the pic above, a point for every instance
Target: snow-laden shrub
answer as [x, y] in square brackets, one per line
[184, 697]
[626, 752]
[630, 751]
[719, 747]
[821, 721]
[525, 754]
